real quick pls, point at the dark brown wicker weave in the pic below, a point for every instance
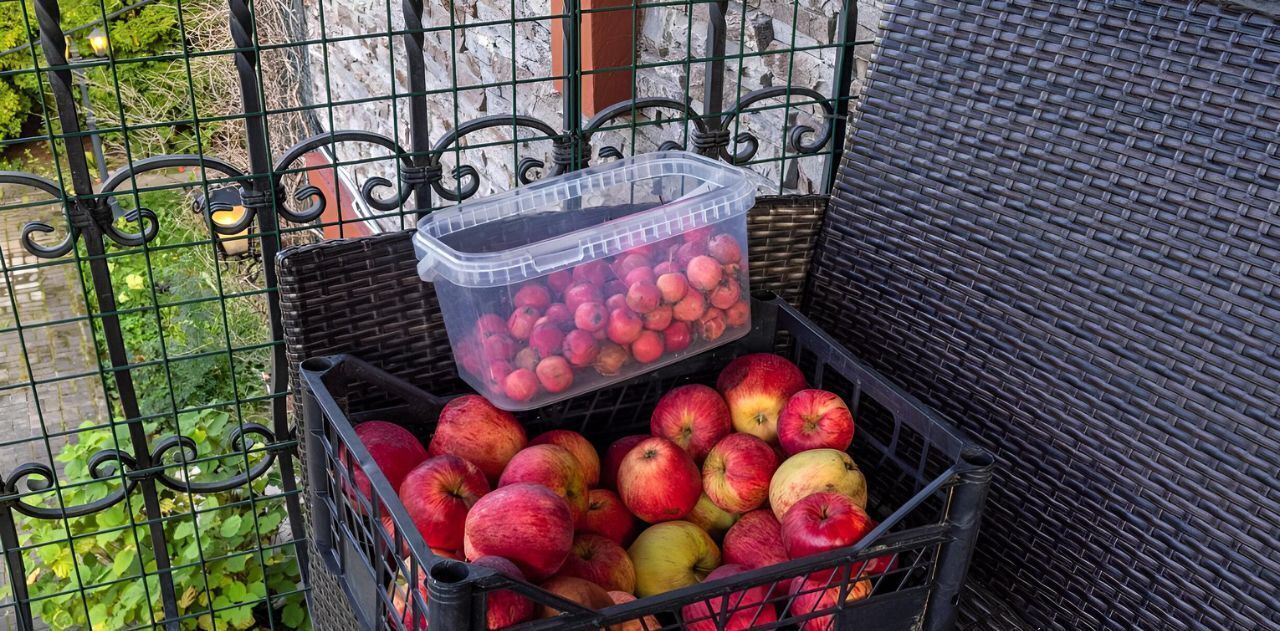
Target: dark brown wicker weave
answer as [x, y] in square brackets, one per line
[363, 296]
[1059, 224]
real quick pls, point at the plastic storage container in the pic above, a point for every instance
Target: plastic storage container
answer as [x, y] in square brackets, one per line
[582, 280]
[926, 484]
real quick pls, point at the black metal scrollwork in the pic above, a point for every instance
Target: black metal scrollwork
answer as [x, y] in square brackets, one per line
[239, 441]
[797, 134]
[467, 177]
[630, 108]
[35, 478]
[367, 189]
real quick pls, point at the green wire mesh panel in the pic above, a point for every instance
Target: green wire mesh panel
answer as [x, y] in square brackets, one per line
[156, 155]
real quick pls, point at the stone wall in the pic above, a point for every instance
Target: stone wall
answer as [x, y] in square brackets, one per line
[506, 67]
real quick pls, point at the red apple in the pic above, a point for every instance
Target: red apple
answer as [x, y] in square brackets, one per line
[647, 347]
[672, 555]
[698, 235]
[747, 609]
[394, 450]
[712, 324]
[643, 296]
[520, 385]
[820, 591]
[690, 308]
[814, 419]
[724, 248]
[490, 324]
[816, 471]
[726, 294]
[602, 561]
[469, 353]
[470, 428]
[505, 607]
[533, 295]
[560, 315]
[498, 346]
[495, 374]
[694, 416]
[607, 516]
[437, 495]
[639, 275]
[590, 316]
[594, 272]
[630, 261]
[555, 374]
[613, 458]
[616, 301]
[822, 522]
[624, 326]
[560, 280]
[575, 589]
[580, 348]
[579, 294]
[665, 267]
[673, 287]
[551, 466]
[737, 472]
[704, 273]
[526, 524]
[521, 322]
[756, 387]
[577, 445]
[689, 251]
[610, 359]
[755, 540]
[738, 314]
[677, 337]
[546, 339]
[658, 481]
[658, 319]
[527, 358]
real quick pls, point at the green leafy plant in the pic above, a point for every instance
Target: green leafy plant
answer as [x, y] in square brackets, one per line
[200, 355]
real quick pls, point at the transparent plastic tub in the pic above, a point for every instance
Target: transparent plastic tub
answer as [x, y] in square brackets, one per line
[586, 279]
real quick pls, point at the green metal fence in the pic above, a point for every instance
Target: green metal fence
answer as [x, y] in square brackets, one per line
[158, 154]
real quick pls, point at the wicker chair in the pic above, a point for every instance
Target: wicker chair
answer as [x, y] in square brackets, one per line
[1059, 224]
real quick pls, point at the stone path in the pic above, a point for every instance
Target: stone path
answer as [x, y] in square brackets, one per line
[55, 352]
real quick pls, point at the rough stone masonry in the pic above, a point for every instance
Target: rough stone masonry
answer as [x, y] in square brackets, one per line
[503, 66]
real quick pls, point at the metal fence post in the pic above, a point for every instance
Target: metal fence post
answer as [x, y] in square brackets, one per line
[964, 510]
[89, 214]
[842, 77]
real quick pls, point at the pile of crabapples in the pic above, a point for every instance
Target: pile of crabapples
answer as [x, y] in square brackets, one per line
[611, 316]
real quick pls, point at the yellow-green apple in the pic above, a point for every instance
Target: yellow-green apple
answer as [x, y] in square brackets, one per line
[746, 609]
[814, 419]
[394, 450]
[820, 591]
[815, 471]
[756, 387]
[598, 559]
[437, 495]
[755, 540]
[505, 607]
[473, 429]
[554, 467]
[574, 589]
[647, 623]
[822, 522]
[526, 524]
[606, 515]
[658, 481]
[577, 445]
[737, 472]
[694, 416]
[711, 518]
[672, 555]
[613, 458]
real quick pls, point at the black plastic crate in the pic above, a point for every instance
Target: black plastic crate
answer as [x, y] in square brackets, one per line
[927, 484]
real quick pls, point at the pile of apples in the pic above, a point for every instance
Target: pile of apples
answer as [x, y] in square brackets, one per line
[747, 474]
[639, 306]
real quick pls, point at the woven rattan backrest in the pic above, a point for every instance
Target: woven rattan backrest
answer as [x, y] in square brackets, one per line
[1059, 224]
